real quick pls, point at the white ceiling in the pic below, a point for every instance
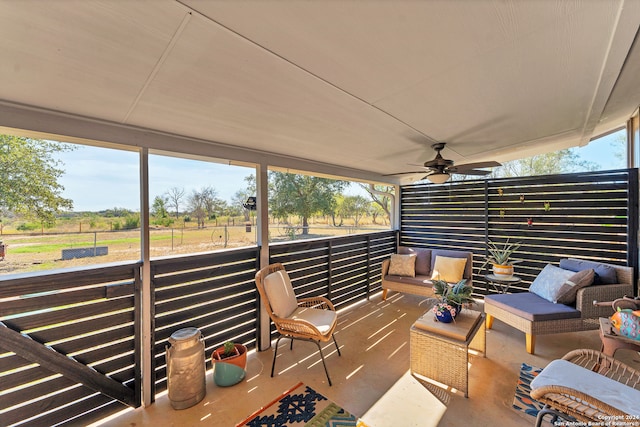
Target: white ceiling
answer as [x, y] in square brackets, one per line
[363, 85]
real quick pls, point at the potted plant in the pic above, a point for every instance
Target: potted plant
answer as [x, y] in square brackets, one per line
[229, 364]
[500, 257]
[451, 299]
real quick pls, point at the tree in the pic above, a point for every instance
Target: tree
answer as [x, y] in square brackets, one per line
[159, 207]
[203, 204]
[174, 198]
[240, 197]
[356, 207]
[562, 161]
[29, 184]
[619, 145]
[383, 202]
[303, 195]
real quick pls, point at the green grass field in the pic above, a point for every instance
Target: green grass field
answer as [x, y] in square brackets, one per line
[33, 251]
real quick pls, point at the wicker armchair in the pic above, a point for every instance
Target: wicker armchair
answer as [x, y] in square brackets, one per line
[592, 388]
[308, 319]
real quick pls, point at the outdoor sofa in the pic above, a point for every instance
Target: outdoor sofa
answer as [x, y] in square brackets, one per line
[412, 270]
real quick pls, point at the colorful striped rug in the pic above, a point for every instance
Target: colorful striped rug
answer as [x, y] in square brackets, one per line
[301, 406]
[522, 401]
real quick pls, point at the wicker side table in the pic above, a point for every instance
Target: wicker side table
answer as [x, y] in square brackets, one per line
[440, 351]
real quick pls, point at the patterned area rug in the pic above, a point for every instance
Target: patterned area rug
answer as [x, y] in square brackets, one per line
[522, 401]
[301, 406]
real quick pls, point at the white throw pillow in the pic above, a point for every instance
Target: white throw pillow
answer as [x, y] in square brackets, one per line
[279, 290]
[549, 282]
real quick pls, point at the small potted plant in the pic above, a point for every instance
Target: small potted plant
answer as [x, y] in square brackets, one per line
[500, 257]
[452, 299]
[230, 363]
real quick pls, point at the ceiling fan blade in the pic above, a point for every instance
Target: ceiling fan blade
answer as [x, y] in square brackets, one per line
[478, 165]
[403, 173]
[478, 172]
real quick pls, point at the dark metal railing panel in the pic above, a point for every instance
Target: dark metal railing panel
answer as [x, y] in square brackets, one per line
[585, 215]
[87, 313]
[214, 292]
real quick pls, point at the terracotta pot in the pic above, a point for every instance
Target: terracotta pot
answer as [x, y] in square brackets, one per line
[230, 370]
[503, 270]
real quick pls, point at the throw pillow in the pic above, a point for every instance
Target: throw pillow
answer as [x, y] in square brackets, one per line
[402, 265]
[448, 269]
[604, 274]
[548, 283]
[569, 289]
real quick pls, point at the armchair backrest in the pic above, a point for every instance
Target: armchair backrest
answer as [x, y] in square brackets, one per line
[276, 291]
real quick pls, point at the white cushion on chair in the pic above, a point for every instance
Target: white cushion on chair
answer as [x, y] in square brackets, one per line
[320, 318]
[278, 287]
[564, 373]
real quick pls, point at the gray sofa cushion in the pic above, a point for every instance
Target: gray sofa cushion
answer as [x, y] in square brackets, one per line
[418, 280]
[423, 259]
[604, 274]
[532, 307]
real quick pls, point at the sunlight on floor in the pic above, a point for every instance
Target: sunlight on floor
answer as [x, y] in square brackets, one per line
[407, 403]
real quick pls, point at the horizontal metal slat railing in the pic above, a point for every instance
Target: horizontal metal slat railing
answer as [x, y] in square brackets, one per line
[592, 215]
[69, 350]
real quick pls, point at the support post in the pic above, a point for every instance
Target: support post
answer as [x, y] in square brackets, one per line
[262, 189]
[146, 318]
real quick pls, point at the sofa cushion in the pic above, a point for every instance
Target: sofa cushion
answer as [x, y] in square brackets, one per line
[531, 306]
[604, 274]
[569, 289]
[402, 265]
[549, 282]
[448, 269]
[423, 259]
[418, 280]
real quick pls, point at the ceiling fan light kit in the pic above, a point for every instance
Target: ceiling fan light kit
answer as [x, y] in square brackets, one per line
[438, 178]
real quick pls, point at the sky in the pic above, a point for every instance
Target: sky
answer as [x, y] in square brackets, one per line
[98, 178]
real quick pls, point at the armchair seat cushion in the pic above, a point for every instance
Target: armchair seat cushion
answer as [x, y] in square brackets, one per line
[323, 320]
[566, 374]
[532, 307]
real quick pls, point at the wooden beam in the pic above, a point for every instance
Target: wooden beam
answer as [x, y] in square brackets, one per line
[48, 358]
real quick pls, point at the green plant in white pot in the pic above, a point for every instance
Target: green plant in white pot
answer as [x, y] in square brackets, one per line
[500, 255]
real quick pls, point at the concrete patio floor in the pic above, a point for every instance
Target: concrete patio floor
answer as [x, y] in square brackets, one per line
[372, 378]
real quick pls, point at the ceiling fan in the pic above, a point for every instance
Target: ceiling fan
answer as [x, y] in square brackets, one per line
[440, 169]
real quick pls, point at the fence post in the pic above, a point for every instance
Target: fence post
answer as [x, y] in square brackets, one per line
[368, 290]
[329, 281]
[632, 226]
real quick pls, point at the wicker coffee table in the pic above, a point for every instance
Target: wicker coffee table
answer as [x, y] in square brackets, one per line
[440, 351]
